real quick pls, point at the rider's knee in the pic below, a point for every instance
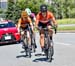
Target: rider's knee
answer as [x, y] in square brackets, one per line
[28, 34]
[51, 31]
[49, 27]
[42, 36]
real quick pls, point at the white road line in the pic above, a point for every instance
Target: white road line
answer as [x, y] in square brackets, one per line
[67, 44]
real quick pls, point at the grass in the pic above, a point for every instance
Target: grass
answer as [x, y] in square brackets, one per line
[66, 21]
[66, 28]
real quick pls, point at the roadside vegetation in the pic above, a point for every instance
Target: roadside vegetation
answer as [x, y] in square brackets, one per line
[66, 21]
[61, 8]
[66, 28]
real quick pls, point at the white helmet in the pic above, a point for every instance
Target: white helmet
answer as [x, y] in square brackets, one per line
[28, 11]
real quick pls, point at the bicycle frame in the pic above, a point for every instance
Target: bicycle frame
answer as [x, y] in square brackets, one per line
[46, 38]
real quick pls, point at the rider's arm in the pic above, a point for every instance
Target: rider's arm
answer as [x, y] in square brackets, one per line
[55, 23]
[34, 18]
[19, 23]
[30, 21]
[53, 19]
[37, 20]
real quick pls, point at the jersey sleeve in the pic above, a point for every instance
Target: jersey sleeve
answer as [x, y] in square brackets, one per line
[51, 15]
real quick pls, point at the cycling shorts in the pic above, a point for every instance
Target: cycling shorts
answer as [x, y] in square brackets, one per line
[43, 25]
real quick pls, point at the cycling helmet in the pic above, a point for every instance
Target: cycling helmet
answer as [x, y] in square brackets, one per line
[24, 14]
[28, 11]
[43, 8]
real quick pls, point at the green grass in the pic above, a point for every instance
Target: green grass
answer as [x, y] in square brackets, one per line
[66, 21]
[66, 28]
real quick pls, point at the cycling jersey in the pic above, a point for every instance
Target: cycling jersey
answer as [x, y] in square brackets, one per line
[40, 18]
[22, 22]
[32, 16]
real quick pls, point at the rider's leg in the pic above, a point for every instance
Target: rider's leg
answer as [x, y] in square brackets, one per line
[33, 36]
[29, 38]
[41, 35]
[50, 32]
[34, 40]
[42, 39]
[22, 36]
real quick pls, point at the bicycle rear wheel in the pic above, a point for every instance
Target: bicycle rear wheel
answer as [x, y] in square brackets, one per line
[25, 46]
[29, 52]
[33, 43]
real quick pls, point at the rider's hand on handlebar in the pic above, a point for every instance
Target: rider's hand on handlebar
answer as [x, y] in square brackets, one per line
[36, 27]
[55, 25]
[39, 28]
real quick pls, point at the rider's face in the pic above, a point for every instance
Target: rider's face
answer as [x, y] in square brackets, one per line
[24, 18]
[44, 14]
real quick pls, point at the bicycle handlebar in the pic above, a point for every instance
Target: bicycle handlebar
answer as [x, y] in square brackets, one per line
[53, 27]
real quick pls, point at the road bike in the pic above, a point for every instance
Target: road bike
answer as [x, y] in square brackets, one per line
[25, 41]
[48, 43]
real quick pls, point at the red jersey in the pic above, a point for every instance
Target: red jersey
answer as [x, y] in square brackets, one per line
[40, 18]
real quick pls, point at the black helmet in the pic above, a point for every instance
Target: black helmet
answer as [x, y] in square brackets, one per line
[43, 8]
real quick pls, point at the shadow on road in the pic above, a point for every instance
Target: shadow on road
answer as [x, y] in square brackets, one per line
[42, 59]
[20, 56]
[22, 51]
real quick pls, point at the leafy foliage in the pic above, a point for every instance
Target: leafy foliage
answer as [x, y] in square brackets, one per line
[14, 9]
[60, 8]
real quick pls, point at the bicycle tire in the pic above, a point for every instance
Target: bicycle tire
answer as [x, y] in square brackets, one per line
[25, 45]
[33, 43]
[29, 52]
[49, 52]
[52, 51]
[29, 49]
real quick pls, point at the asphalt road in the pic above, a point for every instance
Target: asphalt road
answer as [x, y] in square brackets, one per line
[64, 47]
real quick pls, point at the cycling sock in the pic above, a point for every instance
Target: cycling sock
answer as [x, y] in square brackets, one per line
[43, 49]
[35, 46]
[50, 37]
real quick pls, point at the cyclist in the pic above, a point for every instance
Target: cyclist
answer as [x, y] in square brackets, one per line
[25, 19]
[43, 20]
[33, 18]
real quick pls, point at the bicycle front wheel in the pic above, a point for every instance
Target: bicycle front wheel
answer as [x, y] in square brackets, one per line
[50, 51]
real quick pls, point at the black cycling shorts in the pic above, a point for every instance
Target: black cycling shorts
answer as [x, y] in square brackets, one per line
[43, 25]
[25, 28]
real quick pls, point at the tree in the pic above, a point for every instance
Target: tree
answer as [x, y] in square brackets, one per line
[63, 8]
[60, 8]
[14, 9]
